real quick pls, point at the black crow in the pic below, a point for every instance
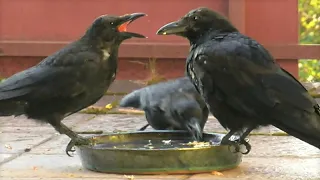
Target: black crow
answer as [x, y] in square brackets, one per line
[241, 82]
[71, 79]
[174, 104]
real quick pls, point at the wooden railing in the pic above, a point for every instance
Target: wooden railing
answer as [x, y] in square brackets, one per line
[273, 23]
[152, 50]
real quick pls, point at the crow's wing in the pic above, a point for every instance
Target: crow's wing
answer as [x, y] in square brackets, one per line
[253, 84]
[156, 117]
[153, 94]
[57, 76]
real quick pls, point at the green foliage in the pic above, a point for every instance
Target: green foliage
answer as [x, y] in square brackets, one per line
[309, 70]
[310, 21]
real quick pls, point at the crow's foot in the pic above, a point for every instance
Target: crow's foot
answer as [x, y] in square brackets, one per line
[236, 145]
[245, 142]
[78, 141]
[75, 138]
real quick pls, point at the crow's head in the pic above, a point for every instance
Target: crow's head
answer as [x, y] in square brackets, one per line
[189, 116]
[196, 23]
[110, 28]
[193, 127]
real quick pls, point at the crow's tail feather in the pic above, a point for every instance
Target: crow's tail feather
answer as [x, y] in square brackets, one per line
[131, 100]
[309, 134]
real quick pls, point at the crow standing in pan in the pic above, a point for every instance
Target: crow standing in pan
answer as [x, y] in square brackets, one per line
[71, 79]
[174, 104]
[240, 81]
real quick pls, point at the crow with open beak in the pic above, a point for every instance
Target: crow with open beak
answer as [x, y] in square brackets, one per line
[71, 79]
[174, 104]
[241, 82]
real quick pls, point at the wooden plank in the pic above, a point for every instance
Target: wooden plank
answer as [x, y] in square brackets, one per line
[149, 50]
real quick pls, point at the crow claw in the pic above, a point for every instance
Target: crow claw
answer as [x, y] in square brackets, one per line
[237, 144]
[70, 148]
[73, 142]
[247, 145]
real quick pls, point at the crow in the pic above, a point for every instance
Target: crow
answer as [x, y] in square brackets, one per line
[174, 104]
[240, 81]
[71, 79]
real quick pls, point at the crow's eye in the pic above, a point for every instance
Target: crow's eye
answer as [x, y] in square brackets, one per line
[195, 17]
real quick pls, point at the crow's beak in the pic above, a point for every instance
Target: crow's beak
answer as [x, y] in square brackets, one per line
[194, 128]
[176, 27]
[125, 20]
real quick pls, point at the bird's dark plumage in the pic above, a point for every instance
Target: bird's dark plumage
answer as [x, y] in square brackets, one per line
[174, 104]
[240, 81]
[71, 79]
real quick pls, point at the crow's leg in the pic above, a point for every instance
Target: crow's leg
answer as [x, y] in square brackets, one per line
[226, 138]
[144, 127]
[75, 138]
[55, 121]
[226, 141]
[242, 140]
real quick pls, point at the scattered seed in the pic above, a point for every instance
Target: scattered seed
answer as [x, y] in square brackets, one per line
[70, 175]
[216, 173]
[166, 142]
[108, 106]
[7, 146]
[129, 177]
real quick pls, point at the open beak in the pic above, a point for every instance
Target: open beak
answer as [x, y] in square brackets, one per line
[126, 20]
[194, 128]
[176, 27]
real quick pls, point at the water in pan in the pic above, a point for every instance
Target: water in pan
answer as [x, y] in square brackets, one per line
[156, 144]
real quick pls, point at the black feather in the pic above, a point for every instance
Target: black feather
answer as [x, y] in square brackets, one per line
[131, 100]
[169, 105]
[241, 82]
[69, 80]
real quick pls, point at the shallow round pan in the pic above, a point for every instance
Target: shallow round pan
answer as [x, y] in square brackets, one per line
[156, 152]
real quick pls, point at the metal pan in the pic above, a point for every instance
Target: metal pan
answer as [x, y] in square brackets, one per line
[156, 152]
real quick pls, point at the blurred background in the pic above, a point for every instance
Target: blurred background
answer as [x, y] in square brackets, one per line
[31, 30]
[309, 11]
